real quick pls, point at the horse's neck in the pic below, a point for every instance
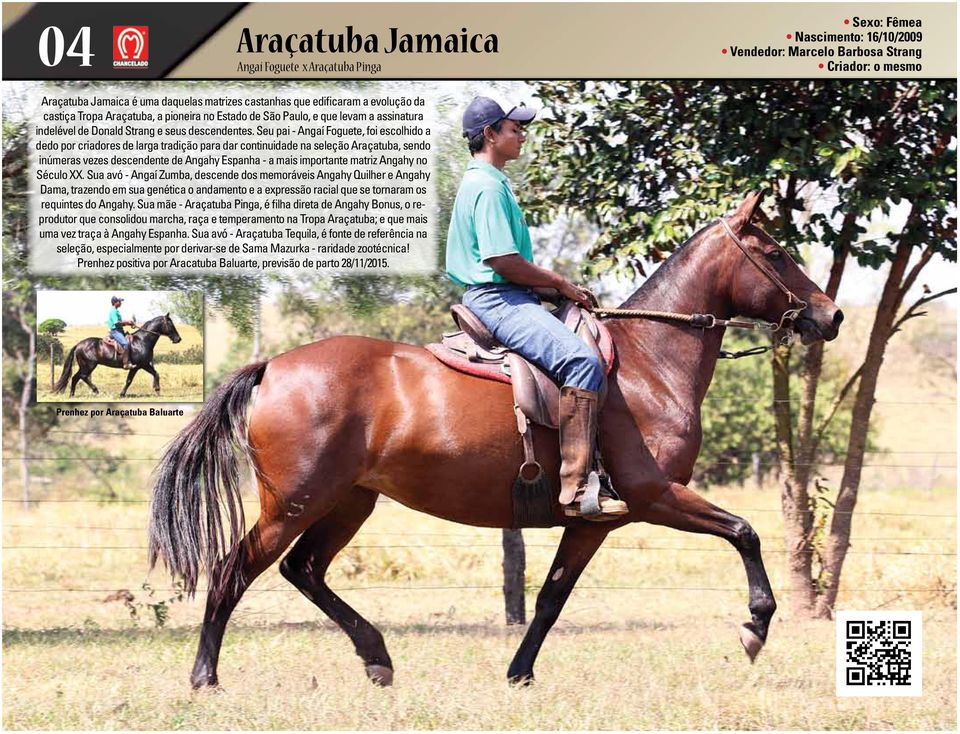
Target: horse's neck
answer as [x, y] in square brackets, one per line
[148, 334]
[680, 358]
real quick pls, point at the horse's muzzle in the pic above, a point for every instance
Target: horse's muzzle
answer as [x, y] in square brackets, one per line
[812, 329]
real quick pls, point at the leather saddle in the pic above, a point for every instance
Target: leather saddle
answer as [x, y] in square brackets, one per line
[111, 342]
[474, 350]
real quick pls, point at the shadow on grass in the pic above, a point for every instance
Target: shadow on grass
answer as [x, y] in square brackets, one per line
[53, 636]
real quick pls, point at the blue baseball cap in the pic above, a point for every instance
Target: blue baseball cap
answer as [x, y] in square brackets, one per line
[483, 111]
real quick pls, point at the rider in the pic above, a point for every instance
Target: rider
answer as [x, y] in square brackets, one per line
[116, 324]
[489, 251]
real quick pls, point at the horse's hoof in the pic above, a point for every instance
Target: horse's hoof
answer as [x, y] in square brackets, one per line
[524, 680]
[751, 641]
[379, 675]
[204, 682]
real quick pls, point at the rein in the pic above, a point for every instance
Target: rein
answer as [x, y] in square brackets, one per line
[709, 321]
[141, 328]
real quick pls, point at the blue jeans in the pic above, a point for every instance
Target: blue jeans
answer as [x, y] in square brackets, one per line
[119, 338]
[514, 316]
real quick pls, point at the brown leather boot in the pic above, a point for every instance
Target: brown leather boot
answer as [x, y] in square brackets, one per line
[578, 435]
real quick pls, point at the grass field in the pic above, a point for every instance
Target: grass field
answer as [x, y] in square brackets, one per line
[648, 639]
[179, 383]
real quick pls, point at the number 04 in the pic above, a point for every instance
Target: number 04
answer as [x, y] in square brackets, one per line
[82, 39]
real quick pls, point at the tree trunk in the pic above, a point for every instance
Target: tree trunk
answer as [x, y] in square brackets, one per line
[28, 366]
[794, 499]
[841, 524]
[514, 569]
[52, 371]
[797, 457]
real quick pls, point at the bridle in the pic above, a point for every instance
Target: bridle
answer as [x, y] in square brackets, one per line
[791, 314]
[795, 306]
[158, 333]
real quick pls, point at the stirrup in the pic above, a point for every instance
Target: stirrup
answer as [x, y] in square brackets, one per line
[596, 501]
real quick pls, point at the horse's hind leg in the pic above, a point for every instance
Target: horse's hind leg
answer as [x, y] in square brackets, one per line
[306, 565]
[683, 509]
[261, 547]
[577, 547]
[85, 368]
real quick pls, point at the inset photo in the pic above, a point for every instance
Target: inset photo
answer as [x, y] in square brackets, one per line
[110, 346]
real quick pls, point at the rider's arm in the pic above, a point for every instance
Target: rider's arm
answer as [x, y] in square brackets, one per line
[515, 269]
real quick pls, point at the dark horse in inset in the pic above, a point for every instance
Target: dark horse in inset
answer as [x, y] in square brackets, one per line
[93, 351]
[339, 422]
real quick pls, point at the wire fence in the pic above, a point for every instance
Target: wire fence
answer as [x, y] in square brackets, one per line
[118, 459]
[387, 500]
[465, 541]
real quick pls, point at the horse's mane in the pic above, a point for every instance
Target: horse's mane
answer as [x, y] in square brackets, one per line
[150, 324]
[662, 273]
[154, 321]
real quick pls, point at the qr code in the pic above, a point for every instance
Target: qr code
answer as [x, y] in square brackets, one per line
[879, 653]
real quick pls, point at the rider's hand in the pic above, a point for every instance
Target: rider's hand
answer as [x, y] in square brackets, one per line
[579, 295]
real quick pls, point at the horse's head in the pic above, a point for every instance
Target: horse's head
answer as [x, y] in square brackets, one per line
[766, 283]
[167, 328]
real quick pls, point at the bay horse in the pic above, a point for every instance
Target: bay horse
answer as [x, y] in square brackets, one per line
[92, 351]
[338, 422]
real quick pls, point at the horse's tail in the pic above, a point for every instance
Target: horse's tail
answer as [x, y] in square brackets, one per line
[67, 371]
[196, 515]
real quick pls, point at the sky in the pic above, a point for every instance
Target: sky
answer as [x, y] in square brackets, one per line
[84, 308]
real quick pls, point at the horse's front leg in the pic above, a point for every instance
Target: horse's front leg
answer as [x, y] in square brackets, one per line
[577, 547]
[683, 509]
[130, 376]
[156, 378]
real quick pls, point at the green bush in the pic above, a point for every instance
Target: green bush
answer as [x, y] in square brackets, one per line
[193, 355]
[44, 342]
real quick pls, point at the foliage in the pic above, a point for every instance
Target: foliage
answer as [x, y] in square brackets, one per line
[183, 306]
[47, 343]
[739, 433]
[649, 162]
[52, 326]
[160, 608]
[191, 355]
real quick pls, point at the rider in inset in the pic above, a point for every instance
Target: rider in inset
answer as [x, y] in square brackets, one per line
[116, 324]
[489, 251]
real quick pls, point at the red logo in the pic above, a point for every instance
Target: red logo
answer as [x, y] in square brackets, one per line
[131, 46]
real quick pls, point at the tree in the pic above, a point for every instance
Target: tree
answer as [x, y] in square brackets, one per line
[739, 419]
[648, 162]
[50, 328]
[184, 306]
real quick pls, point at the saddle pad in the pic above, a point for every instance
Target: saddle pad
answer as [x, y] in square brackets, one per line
[495, 371]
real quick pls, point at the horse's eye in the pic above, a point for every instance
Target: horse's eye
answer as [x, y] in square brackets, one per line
[774, 255]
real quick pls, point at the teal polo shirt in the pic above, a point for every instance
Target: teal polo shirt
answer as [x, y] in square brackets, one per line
[114, 318]
[486, 222]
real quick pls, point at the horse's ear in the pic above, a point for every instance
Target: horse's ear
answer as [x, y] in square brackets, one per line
[168, 314]
[746, 211]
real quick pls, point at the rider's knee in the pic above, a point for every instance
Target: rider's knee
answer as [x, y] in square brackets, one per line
[585, 372]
